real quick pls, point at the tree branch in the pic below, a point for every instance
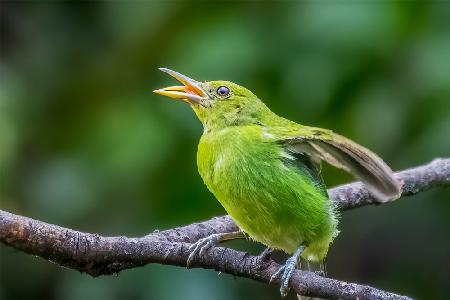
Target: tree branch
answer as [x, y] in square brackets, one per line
[98, 255]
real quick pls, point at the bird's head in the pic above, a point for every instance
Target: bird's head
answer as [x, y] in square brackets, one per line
[216, 103]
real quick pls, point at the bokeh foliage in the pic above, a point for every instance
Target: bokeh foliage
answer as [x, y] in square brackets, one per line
[85, 144]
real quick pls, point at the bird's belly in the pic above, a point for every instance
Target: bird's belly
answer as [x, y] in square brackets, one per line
[274, 231]
[266, 219]
[271, 202]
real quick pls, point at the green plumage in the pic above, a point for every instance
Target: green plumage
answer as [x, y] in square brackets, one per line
[272, 194]
[265, 170]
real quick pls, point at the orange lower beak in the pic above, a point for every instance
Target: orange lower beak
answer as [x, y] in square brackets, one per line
[190, 92]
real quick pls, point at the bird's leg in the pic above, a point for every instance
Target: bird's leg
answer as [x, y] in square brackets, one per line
[202, 245]
[323, 268]
[287, 270]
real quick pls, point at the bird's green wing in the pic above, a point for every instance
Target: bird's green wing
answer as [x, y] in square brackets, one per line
[345, 154]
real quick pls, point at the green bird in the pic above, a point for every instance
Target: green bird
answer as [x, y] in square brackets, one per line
[265, 171]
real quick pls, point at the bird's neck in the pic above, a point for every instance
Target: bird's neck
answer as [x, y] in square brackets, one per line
[218, 119]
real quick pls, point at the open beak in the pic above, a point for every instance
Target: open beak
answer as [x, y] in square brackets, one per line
[190, 92]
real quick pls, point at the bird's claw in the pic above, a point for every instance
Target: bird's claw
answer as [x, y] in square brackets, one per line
[275, 275]
[200, 247]
[287, 271]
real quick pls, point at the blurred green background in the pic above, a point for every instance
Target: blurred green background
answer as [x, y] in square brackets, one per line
[84, 143]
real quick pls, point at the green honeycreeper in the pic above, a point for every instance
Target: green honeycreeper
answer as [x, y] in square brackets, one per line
[265, 171]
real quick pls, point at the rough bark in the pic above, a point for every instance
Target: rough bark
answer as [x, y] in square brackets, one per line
[98, 255]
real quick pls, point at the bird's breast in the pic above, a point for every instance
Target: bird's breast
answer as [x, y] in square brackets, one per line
[236, 153]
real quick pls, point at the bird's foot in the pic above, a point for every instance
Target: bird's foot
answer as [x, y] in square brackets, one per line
[286, 271]
[200, 247]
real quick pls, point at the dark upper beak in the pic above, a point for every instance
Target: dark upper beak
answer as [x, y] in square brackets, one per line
[190, 92]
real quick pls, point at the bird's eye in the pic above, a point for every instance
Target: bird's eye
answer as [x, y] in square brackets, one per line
[223, 91]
